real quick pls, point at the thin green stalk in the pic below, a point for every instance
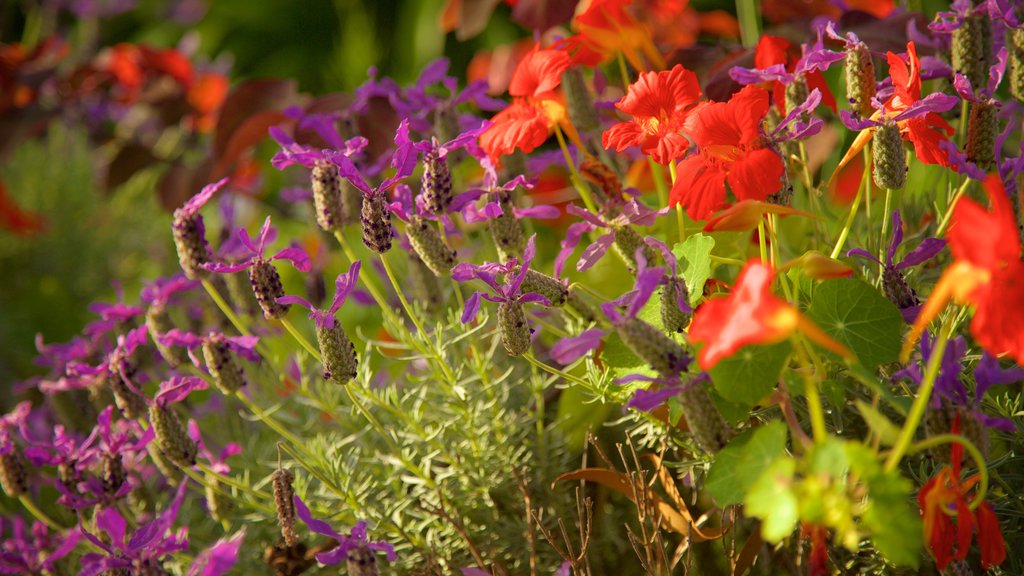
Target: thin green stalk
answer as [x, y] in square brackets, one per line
[268, 419]
[552, 370]
[946, 218]
[225, 308]
[39, 514]
[660, 187]
[623, 72]
[230, 481]
[352, 502]
[851, 216]
[401, 297]
[976, 455]
[574, 176]
[761, 241]
[371, 286]
[747, 12]
[885, 230]
[924, 393]
[301, 339]
[814, 406]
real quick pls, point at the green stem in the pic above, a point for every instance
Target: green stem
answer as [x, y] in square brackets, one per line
[401, 296]
[761, 241]
[225, 308]
[39, 514]
[659, 186]
[230, 481]
[352, 502]
[268, 419]
[574, 176]
[924, 393]
[750, 28]
[885, 230]
[849, 219]
[946, 218]
[976, 455]
[301, 339]
[814, 406]
[552, 370]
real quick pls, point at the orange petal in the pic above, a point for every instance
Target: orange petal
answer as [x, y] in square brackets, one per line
[863, 137]
[819, 267]
[746, 215]
[958, 281]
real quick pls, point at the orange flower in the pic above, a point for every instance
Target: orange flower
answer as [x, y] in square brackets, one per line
[660, 104]
[751, 314]
[606, 27]
[986, 272]
[773, 50]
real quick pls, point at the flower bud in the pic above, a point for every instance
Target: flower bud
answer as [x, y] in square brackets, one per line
[266, 285]
[674, 291]
[575, 303]
[338, 354]
[326, 184]
[284, 502]
[171, 437]
[376, 220]
[515, 332]
[796, 94]
[429, 245]
[436, 184]
[653, 346]
[14, 472]
[860, 79]
[627, 240]
[982, 127]
[361, 561]
[1016, 63]
[128, 401]
[158, 321]
[890, 163]
[351, 202]
[216, 503]
[240, 293]
[506, 229]
[706, 423]
[896, 289]
[972, 49]
[190, 241]
[114, 474]
[547, 286]
[582, 112]
[423, 286]
[221, 362]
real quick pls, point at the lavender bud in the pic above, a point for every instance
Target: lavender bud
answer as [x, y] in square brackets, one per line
[436, 184]
[673, 292]
[1016, 63]
[266, 285]
[170, 472]
[158, 321]
[129, 402]
[423, 286]
[547, 286]
[221, 362]
[972, 49]
[981, 135]
[627, 240]
[239, 293]
[515, 332]
[326, 183]
[706, 423]
[582, 112]
[114, 473]
[796, 93]
[284, 502]
[216, 503]
[890, 163]
[429, 245]
[506, 229]
[376, 220]
[579, 306]
[338, 353]
[860, 79]
[653, 346]
[362, 561]
[171, 437]
[14, 472]
[351, 202]
[896, 289]
[190, 241]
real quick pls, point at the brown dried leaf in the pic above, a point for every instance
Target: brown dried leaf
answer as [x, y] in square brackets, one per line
[250, 132]
[245, 100]
[543, 14]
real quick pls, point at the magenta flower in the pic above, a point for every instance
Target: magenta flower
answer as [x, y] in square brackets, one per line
[293, 153]
[355, 539]
[633, 213]
[509, 291]
[35, 552]
[218, 463]
[343, 286]
[219, 558]
[294, 254]
[162, 291]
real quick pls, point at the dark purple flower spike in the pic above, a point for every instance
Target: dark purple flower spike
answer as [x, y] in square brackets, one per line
[355, 541]
[34, 551]
[190, 232]
[507, 292]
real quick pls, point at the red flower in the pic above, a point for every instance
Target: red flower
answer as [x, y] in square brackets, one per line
[924, 132]
[731, 149]
[522, 125]
[606, 27]
[539, 74]
[944, 494]
[987, 272]
[773, 50]
[751, 314]
[660, 104]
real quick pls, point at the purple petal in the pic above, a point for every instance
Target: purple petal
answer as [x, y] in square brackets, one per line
[176, 337]
[775, 72]
[897, 237]
[219, 558]
[492, 210]
[989, 373]
[927, 250]
[318, 526]
[226, 267]
[543, 212]
[647, 400]
[963, 87]
[593, 219]
[640, 214]
[200, 200]
[958, 160]
[348, 171]
[145, 535]
[570, 349]
[595, 251]
[534, 298]
[528, 253]
[666, 254]
[472, 308]
[343, 287]
[996, 72]
[295, 300]
[854, 122]
[462, 200]
[935, 102]
[110, 521]
[1004, 424]
[569, 244]
[818, 59]
[178, 388]
[647, 282]
[297, 256]
[862, 253]
[386, 548]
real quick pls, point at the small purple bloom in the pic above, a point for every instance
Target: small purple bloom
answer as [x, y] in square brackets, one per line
[343, 286]
[293, 153]
[488, 273]
[162, 291]
[35, 552]
[356, 538]
[294, 254]
[633, 213]
[403, 160]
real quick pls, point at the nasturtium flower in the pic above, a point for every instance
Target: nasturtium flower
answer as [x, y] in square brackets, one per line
[606, 27]
[660, 103]
[731, 147]
[751, 314]
[987, 273]
[777, 65]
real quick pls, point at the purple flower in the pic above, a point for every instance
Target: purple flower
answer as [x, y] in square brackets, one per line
[293, 153]
[488, 273]
[244, 346]
[37, 552]
[633, 213]
[218, 463]
[421, 100]
[15, 419]
[646, 400]
[490, 187]
[177, 388]
[815, 58]
[146, 547]
[403, 160]
[948, 22]
[343, 286]
[194, 204]
[219, 558]
[162, 291]
[355, 539]
[294, 254]
[794, 126]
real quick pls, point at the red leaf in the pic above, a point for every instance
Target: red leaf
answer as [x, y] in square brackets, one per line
[245, 100]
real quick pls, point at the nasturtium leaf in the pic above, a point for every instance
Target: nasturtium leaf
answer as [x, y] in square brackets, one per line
[694, 257]
[886, 431]
[617, 355]
[860, 318]
[750, 373]
[893, 521]
[738, 465]
[733, 412]
[829, 458]
[772, 499]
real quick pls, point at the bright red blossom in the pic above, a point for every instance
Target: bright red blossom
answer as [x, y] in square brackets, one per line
[539, 74]
[773, 50]
[750, 314]
[731, 149]
[924, 132]
[660, 103]
[987, 272]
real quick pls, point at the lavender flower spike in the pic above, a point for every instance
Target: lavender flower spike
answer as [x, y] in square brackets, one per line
[354, 548]
[190, 232]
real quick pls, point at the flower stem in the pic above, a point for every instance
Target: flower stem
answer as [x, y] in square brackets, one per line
[267, 419]
[574, 176]
[225, 308]
[401, 297]
[924, 393]
[885, 230]
[814, 406]
[39, 514]
[747, 13]
[850, 217]
[371, 286]
[979, 459]
[944, 223]
[552, 370]
[761, 241]
[301, 339]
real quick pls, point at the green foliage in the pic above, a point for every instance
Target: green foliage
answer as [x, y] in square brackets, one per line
[739, 465]
[694, 257]
[860, 318]
[751, 373]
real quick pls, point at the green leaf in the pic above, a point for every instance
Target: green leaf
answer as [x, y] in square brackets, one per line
[577, 415]
[771, 498]
[694, 257]
[860, 318]
[733, 412]
[738, 465]
[750, 373]
[894, 522]
[886, 431]
[617, 355]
